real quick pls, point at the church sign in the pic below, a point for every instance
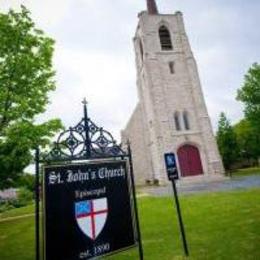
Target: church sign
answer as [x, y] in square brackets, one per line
[88, 211]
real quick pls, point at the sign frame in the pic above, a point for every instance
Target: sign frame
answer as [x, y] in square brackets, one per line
[85, 143]
[130, 194]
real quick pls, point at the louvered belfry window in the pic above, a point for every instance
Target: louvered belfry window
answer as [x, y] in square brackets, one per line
[165, 38]
[177, 121]
[186, 120]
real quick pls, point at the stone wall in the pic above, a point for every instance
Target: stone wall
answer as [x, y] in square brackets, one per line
[135, 133]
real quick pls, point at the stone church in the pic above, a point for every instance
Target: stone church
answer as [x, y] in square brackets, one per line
[171, 115]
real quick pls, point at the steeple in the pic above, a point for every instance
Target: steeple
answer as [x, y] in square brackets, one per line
[152, 7]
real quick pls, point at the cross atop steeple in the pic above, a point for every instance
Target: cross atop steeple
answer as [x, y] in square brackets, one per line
[152, 7]
[84, 101]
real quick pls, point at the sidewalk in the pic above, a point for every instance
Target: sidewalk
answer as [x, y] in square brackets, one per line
[234, 183]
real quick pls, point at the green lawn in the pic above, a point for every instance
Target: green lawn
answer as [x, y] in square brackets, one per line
[218, 226]
[17, 212]
[246, 171]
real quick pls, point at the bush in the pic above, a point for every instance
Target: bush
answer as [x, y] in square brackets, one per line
[27, 181]
[24, 198]
[5, 205]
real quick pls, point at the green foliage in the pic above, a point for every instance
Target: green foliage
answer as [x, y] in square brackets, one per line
[24, 197]
[227, 142]
[26, 77]
[248, 140]
[249, 94]
[249, 129]
[27, 181]
[5, 206]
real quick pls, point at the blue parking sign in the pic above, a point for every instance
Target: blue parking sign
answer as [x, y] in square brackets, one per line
[171, 167]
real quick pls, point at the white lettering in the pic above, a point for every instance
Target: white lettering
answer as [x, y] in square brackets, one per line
[77, 176]
[105, 173]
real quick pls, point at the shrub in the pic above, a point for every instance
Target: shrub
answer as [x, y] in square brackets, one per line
[5, 205]
[24, 197]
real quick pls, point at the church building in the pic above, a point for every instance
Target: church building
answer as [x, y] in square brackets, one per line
[171, 114]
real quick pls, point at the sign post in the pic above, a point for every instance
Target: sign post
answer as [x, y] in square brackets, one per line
[37, 204]
[140, 246]
[172, 172]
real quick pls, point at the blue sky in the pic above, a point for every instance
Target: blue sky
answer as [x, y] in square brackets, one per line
[94, 55]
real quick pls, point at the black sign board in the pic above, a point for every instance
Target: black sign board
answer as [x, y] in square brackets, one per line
[171, 167]
[88, 211]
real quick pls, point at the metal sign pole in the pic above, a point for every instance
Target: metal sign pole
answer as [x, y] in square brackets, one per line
[140, 246]
[172, 172]
[37, 206]
[185, 246]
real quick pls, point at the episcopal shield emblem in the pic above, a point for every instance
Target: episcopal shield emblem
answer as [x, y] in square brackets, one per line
[91, 216]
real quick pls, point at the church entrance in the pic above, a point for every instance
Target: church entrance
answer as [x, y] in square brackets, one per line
[189, 160]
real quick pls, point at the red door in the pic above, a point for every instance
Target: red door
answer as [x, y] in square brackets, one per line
[189, 160]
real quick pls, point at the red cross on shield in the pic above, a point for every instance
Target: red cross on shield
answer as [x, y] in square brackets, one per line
[91, 216]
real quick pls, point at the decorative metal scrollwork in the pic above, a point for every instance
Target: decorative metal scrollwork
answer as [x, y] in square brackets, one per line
[84, 141]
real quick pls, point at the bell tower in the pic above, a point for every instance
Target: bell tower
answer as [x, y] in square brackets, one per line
[171, 115]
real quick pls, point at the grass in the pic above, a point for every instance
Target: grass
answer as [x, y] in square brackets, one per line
[246, 171]
[222, 225]
[17, 212]
[16, 239]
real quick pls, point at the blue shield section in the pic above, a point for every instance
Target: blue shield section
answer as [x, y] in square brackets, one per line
[82, 208]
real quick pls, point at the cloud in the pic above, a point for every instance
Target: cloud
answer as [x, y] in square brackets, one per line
[106, 81]
[47, 13]
[94, 54]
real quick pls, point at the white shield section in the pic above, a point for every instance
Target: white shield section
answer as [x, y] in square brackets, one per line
[100, 207]
[93, 224]
[85, 226]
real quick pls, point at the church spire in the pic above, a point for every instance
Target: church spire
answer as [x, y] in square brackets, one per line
[152, 7]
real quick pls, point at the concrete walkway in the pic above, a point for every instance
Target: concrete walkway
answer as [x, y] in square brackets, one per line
[235, 183]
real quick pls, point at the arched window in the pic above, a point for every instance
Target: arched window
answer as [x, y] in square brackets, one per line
[165, 38]
[186, 120]
[177, 121]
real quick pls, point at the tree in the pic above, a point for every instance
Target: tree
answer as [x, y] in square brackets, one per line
[227, 142]
[248, 140]
[249, 94]
[26, 77]
[27, 181]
